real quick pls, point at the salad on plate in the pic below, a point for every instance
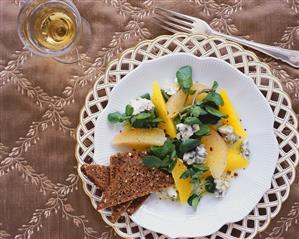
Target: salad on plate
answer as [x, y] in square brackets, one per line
[189, 131]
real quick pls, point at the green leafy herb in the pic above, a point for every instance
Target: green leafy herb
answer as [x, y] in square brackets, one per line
[144, 115]
[214, 112]
[210, 186]
[152, 161]
[192, 120]
[204, 130]
[188, 144]
[215, 98]
[161, 151]
[209, 119]
[197, 110]
[184, 76]
[116, 117]
[214, 86]
[129, 110]
[185, 174]
[194, 200]
[164, 157]
[194, 171]
[165, 95]
[145, 120]
[146, 96]
[172, 165]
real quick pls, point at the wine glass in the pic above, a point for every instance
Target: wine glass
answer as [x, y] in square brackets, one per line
[52, 28]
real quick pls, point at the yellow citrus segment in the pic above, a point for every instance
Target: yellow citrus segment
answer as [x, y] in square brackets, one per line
[233, 119]
[140, 138]
[176, 103]
[160, 105]
[217, 153]
[183, 186]
[235, 159]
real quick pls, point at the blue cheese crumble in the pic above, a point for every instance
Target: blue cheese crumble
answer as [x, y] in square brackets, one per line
[222, 185]
[185, 131]
[244, 148]
[228, 134]
[198, 155]
[140, 105]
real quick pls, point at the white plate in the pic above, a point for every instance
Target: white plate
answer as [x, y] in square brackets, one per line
[173, 219]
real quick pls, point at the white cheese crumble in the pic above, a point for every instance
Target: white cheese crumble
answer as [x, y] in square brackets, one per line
[244, 148]
[222, 185]
[185, 131]
[168, 193]
[228, 134]
[140, 105]
[198, 155]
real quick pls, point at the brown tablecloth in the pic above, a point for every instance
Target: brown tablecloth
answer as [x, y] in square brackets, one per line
[40, 193]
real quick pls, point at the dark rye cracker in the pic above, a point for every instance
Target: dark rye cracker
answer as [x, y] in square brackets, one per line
[133, 180]
[98, 174]
[136, 204]
[116, 161]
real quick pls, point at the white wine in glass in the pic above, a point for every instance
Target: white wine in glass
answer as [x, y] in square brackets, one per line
[51, 28]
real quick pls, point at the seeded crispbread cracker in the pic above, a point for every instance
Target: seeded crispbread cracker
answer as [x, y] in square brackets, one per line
[116, 161]
[118, 210]
[98, 174]
[133, 180]
[136, 204]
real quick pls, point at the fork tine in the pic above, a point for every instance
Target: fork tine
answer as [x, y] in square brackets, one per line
[171, 24]
[173, 19]
[165, 27]
[183, 16]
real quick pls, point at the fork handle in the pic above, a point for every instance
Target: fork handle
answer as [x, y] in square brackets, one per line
[290, 57]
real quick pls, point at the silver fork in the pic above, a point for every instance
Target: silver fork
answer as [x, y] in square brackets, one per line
[177, 22]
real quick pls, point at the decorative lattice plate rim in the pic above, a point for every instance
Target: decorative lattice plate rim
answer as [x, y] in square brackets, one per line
[285, 126]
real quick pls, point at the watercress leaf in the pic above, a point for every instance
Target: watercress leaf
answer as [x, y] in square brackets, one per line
[203, 130]
[129, 110]
[193, 200]
[214, 86]
[185, 174]
[215, 98]
[210, 185]
[199, 168]
[192, 120]
[209, 119]
[188, 144]
[173, 154]
[143, 115]
[156, 120]
[146, 96]
[166, 161]
[214, 112]
[195, 177]
[196, 111]
[152, 161]
[161, 151]
[184, 76]
[172, 164]
[116, 117]
[165, 95]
